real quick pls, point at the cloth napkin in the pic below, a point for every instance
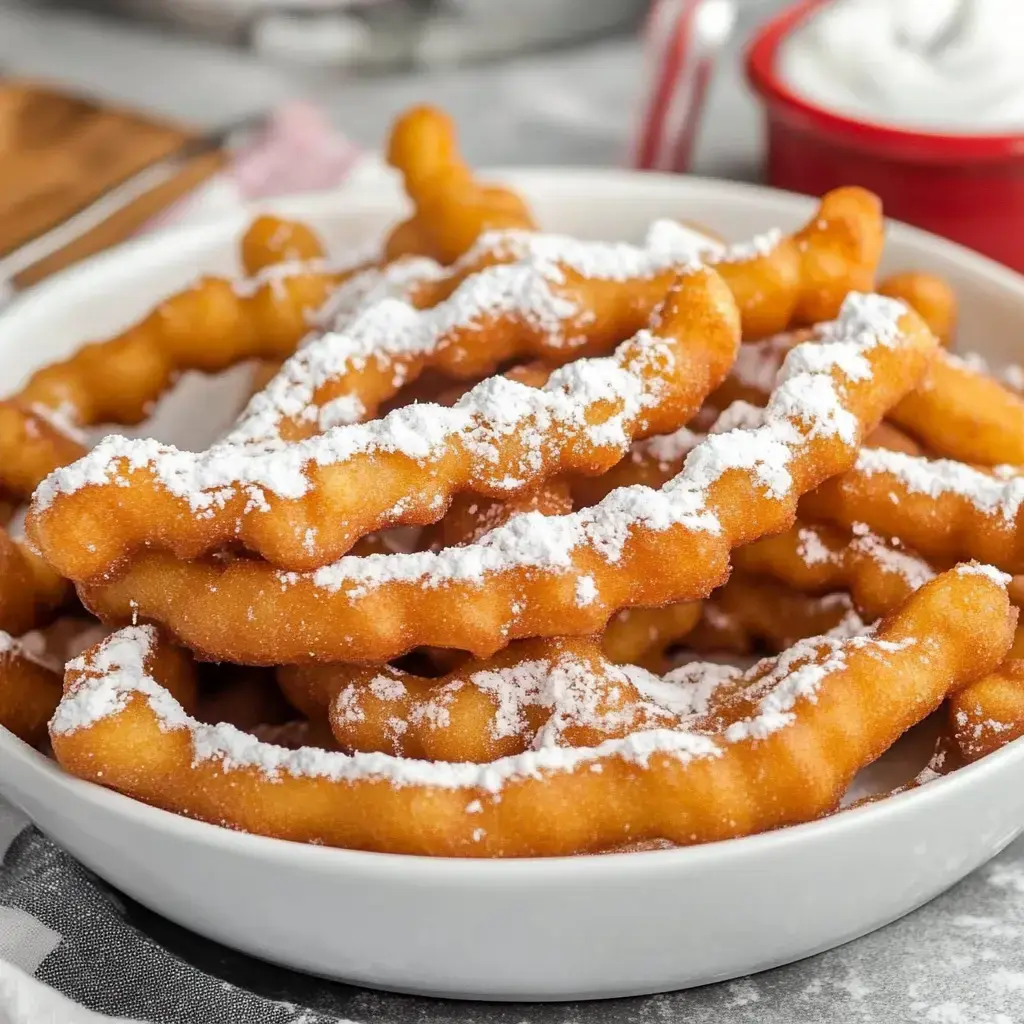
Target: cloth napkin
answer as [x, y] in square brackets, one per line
[67, 940]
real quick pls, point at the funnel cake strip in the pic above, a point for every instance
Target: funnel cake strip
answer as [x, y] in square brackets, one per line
[640, 636]
[534, 694]
[960, 410]
[821, 559]
[751, 613]
[780, 749]
[984, 715]
[307, 504]
[271, 241]
[520, 294]
[963, 414]
[543, 575]
[944, 510]
[1009, 374]
[989, 714]
[31, 593]
[29, 691]
[930, 295]
[208, 327]
[452, 209]
[653, 461]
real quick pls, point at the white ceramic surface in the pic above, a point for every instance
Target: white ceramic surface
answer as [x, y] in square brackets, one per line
[542, 929]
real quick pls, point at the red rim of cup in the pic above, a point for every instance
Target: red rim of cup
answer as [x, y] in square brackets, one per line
[859, 134]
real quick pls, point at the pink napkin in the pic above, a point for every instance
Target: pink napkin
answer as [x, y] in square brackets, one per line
[298, 150]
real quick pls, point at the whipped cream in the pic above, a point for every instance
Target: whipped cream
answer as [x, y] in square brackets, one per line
[948, 66]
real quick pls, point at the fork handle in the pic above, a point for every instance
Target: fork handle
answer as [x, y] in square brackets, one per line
[110, 218]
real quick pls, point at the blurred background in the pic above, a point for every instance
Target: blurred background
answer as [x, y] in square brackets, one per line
[529, 81]
[921, 101]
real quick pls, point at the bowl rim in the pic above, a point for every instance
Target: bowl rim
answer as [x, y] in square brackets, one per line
[373, 197]
[910, 144]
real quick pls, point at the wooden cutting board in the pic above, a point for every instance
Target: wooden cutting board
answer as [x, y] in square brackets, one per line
[59, 152]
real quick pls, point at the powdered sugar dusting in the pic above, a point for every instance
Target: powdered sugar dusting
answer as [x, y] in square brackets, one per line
[274, 275]
[996, 496]
[915, 571]
[667, 448]
[802, 400]
[586, 591]
[374, 316]
[990, 572]
[117, 669]
[799, 673]
[114, 670]
[496, 409]
[811, 549]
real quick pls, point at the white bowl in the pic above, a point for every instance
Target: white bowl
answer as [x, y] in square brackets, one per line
[562, 928]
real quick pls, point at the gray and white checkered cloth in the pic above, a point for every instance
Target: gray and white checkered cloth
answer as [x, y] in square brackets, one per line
[64, 928]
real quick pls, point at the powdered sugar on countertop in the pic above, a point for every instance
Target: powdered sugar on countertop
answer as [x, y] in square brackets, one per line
[956, 960]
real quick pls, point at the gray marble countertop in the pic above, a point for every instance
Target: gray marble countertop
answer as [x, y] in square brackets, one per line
[958, 960]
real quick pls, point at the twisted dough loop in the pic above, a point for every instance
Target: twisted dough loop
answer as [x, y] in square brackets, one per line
[750, 613]
[636, 548]
[823, 559]
[641, 636]
[989, 714]
[958, 410]
[725, 779]
[273, 241]
[452, 208]
[836, 252]
[502, 438]
[932, 297]
[535, 693]
[943, 510]
[964, 414]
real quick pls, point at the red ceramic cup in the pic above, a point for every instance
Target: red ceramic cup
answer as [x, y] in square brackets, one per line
[969, 188]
